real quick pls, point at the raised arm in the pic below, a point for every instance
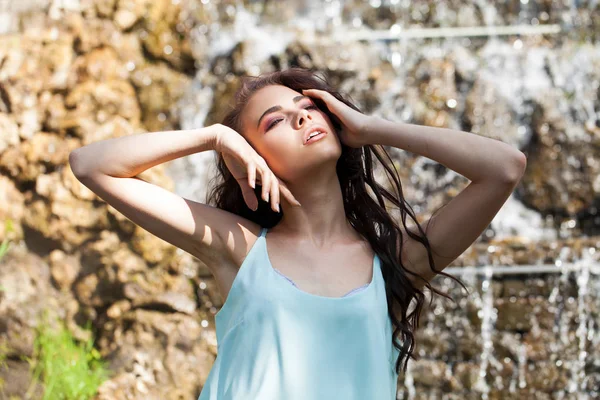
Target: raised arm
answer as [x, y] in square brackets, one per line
[493, 167]
[108, 168]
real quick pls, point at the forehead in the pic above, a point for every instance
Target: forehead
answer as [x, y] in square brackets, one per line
[264, 98]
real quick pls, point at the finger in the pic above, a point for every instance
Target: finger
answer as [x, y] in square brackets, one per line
[325, 95]
[249, 195]
[252, 175]
[332, 103]
[266, 182]
[288, 194]
[275, 194]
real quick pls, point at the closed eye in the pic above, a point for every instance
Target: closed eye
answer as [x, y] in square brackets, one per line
[275, 121]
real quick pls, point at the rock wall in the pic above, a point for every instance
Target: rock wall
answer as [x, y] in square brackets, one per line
[69, 77]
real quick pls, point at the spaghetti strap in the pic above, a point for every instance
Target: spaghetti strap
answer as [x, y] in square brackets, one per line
[263, 232]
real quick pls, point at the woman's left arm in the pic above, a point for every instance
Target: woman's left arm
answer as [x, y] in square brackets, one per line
[478, 158]
[493, 167]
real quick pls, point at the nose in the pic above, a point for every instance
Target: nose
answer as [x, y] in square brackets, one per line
[302, 117]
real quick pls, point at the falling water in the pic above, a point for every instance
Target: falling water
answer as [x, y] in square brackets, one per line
[576, 383]
[409, 383]
[522, 365]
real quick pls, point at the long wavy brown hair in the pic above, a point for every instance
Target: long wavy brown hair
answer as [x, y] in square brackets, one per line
[366, 214]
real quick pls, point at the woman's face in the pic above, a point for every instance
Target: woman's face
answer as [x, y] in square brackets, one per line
[275, 121]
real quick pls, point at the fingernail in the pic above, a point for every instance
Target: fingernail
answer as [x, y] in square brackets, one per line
[277, 206]
[267, 197]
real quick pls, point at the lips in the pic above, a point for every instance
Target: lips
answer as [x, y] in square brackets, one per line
[311, 130]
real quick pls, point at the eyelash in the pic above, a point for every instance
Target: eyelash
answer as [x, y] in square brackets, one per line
[274, 122]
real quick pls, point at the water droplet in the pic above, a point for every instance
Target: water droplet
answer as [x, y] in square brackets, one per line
[518, 44]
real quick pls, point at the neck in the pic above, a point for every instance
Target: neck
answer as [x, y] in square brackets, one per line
[321, 218]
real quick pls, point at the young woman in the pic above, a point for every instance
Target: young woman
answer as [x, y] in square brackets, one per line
[317, 276]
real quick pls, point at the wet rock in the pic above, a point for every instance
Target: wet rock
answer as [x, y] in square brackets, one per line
[507, 345]
[9, 136]
[91, 104]
[469, 345]
[42, 153]
[168, 301]
[545, 376]
[154, 355]
[12, 209]
[521, 314]
[64, 269]
[17, 378]
[107, 265]
[101, 64]
[466, 374]
[430, 373]
[159, 88]
[56, 214]
[488, 115]
[28, 299]
[105, 8]
[167, 34]
[91, 33]
[433, 344]
[559, 169]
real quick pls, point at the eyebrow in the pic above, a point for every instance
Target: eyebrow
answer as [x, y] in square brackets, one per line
[277, 108]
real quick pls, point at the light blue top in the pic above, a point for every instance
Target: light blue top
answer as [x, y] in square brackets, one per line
[276, 341]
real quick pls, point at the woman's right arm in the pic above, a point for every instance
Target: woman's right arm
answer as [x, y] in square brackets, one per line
[128, 156]
[108, 168]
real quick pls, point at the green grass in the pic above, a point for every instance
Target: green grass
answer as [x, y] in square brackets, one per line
[5, 243]
[68, 370]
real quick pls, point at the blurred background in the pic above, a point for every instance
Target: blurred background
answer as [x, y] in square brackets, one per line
[92, 306]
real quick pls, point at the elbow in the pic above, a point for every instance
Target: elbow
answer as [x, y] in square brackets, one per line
[75, 163]
[516, 168]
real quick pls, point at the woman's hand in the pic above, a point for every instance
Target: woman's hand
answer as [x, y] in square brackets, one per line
[243, 162]
[354, 123]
